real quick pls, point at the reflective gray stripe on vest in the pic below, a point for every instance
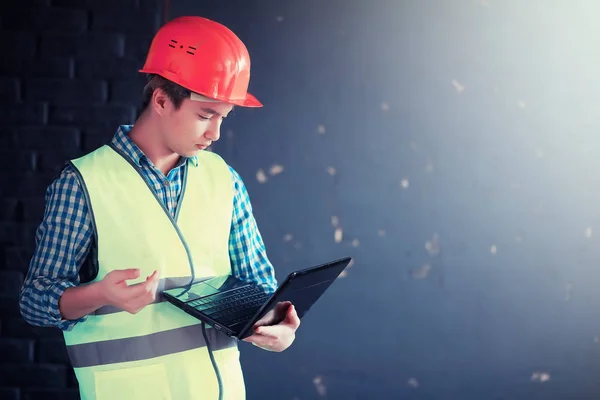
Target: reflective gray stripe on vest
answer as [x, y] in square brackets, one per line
[146, 347]
[163, 284]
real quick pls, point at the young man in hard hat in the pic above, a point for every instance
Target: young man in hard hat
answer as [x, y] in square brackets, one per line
[147, 212]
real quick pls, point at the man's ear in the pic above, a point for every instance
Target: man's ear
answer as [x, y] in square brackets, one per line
[160, 102]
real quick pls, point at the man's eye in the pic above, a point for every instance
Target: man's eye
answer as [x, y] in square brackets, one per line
[203, 118]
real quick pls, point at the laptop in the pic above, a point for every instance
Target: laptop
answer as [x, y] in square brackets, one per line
[233, 306]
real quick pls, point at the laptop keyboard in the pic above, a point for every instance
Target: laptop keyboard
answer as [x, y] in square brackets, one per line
[232, 307]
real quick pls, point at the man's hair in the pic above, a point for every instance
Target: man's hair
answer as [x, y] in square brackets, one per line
[175, 92]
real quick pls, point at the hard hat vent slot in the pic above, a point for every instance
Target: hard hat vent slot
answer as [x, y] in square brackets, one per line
[174, 42]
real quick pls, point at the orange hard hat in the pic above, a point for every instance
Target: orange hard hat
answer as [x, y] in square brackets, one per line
[203, 56]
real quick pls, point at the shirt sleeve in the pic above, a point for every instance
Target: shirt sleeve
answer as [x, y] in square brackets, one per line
[63, 241]
[247, 250]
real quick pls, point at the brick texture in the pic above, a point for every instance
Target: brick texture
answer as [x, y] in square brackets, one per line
[65, 91]
[49, 19]
[33, 375]
[20, 43]
[85, 45]
[50, 394]
[48, 67]
[10, 89]
[68, 77]
[83, 116]
[107, 21]
[18, 328]
[10, 281]
[24, 113]
[53, 351]
[10, 393]
[16, 350]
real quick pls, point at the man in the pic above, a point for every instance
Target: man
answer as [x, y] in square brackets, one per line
[150, 211]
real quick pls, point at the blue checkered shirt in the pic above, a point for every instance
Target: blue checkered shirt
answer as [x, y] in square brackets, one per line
[64, 238]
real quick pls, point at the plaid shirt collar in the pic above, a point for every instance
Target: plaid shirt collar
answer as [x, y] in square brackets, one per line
[123, 142]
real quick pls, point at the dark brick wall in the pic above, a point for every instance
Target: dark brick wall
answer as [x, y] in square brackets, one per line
[455, 145]
[67, 79]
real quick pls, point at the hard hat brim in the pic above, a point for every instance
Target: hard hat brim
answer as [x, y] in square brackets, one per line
[250, 101]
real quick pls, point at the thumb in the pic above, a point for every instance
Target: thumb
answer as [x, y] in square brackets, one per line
[120, 275]
[292, 318]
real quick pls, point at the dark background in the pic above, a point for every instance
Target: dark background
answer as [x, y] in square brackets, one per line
[452, 145]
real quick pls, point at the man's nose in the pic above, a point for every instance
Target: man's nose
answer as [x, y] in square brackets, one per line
[214, 131]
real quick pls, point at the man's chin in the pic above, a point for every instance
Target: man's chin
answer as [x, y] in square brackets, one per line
[190, 153]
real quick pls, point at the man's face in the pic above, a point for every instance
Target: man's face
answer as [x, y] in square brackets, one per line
[194, 126]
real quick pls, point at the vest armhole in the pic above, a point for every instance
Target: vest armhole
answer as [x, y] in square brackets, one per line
[89, 268]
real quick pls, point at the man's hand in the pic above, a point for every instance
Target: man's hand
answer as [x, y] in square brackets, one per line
[276, 337]
[131, 298]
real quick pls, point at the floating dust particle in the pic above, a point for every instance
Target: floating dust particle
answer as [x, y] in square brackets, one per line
[458, 86]
[433, 246]
[355, 243]
[385, 106]
[335, 221]
[422, 272]
[493, 249]
[297, 245]
[320, 386]
[521, 104]
[276, 169]
[229, 134]
[331, 171]
[287, 237]
[429, 168]
[321, 129]
[261, 176]
[413, 382]
[596, 339]
[404, 183]
[279, 18]
[338, 235]
[414, 146]
[540, 377]
[588, 232]
[381, 232]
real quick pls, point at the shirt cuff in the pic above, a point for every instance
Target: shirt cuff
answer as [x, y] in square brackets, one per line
[55, 292]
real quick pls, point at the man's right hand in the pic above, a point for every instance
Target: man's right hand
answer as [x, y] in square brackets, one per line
[130, 298]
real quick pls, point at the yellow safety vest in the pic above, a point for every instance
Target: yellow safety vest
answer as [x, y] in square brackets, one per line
[160, 352]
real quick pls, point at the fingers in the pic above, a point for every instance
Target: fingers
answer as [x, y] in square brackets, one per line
[136, 304]
[292, 318]
[143, 288]
[120, 275]
[272, 338]
[140, 295]
[262, 341]
[273, 331]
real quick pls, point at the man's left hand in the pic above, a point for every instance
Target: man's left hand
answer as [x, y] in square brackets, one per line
[277, 337]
